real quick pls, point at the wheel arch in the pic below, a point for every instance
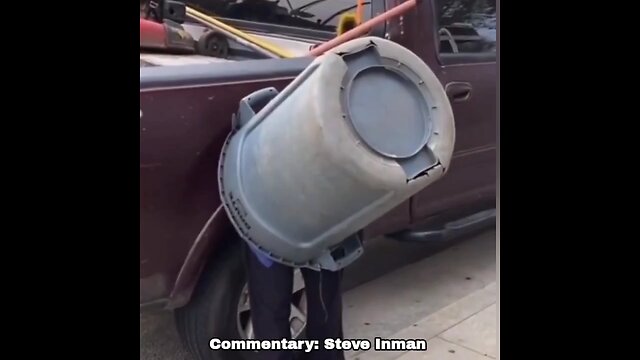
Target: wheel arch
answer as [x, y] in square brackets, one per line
[217, 230]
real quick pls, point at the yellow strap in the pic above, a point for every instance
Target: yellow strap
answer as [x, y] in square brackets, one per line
[347, 22]
[241, 34]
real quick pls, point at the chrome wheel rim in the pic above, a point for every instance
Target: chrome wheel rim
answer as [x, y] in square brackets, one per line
[297, 317]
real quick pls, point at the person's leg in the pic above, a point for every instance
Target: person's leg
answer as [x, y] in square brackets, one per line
[270, 298]
[324, 311]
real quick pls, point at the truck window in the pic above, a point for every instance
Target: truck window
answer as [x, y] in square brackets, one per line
[467, 27]
[314, 15]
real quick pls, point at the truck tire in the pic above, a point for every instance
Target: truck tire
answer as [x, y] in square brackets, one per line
[214, 310]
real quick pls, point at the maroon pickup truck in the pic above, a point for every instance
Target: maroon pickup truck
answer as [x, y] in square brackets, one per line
[189, 252]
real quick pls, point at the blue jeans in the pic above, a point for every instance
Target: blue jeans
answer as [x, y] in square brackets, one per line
[270, 289]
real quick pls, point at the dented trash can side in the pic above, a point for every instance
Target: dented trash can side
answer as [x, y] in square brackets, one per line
[362, 129]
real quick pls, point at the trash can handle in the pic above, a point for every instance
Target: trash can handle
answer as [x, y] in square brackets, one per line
[251, 104]
[333, 261]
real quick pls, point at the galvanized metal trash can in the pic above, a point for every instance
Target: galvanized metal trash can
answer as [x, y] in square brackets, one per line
[362, 129]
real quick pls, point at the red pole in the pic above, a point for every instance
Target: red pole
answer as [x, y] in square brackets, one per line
[364, 28]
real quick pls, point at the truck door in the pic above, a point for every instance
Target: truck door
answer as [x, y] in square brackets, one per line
[463, 56]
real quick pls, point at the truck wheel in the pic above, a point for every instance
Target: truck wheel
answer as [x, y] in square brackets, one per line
[214, 45]
[220, 307]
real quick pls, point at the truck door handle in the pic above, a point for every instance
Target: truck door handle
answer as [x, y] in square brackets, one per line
[458, 91]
